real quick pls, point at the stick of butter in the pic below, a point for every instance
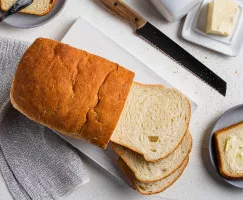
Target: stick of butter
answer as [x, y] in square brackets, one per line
[221, 15]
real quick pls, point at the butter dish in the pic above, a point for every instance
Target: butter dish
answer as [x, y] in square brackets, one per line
[194, 30]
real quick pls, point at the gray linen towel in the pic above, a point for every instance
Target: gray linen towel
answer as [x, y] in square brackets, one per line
[35, 162]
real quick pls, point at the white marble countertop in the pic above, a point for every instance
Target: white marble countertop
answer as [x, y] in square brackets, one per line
[198, 181]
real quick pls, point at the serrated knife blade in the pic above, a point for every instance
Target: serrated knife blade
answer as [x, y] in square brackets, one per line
[158, 39]
[173, 50]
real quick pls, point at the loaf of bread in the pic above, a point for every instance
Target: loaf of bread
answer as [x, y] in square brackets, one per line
[229, 146]
[71, 91]
[38, 7]
[153, 187]
[151, 172]
[154, 121]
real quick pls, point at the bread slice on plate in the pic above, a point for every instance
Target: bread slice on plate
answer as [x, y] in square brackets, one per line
[150, 172]
[154, 121]
[153, 187]
[38, 7]
[229, 147]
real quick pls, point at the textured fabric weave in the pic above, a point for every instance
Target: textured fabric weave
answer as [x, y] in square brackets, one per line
[35, 162]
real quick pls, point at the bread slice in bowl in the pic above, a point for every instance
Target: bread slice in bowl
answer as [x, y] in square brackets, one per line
[38, 7]
[229, 148]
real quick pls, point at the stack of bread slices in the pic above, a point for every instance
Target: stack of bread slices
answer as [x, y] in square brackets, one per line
[152, 137]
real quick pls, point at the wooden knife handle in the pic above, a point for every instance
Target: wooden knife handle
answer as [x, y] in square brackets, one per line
[123, 10]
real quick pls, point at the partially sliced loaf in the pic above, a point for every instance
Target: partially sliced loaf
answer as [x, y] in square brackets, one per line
[153, 187]
[150, 172]
[38, 7]
[154, 121]
[70, 91]
[229, 146]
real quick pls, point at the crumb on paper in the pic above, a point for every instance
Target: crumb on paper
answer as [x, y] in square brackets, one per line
[237, 73]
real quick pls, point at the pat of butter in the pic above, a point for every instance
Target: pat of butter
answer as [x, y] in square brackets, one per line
[234, 153]
[221, 15]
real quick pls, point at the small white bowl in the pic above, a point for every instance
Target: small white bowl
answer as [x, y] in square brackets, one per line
[174, 10]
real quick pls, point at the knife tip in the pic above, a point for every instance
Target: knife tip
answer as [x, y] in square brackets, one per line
[222, 90]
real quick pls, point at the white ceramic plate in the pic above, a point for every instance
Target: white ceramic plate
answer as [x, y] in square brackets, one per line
[20, 20]
[232, 116]
[195, 27]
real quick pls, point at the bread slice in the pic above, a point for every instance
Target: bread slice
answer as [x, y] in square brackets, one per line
[150, 172]
[154, 121]
[153, 187]
[71, 91]
[38, 7]
[229, 147]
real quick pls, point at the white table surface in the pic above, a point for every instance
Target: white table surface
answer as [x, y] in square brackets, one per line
[198, 181]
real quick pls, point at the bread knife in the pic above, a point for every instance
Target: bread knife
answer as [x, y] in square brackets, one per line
[159, 40]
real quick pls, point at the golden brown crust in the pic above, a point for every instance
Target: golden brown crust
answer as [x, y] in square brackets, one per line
[218, 154]
[227, 128]
[119, 153]
[150, 85]
[71, 91]
[187, 126]
[52, 4]
[131, 176]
